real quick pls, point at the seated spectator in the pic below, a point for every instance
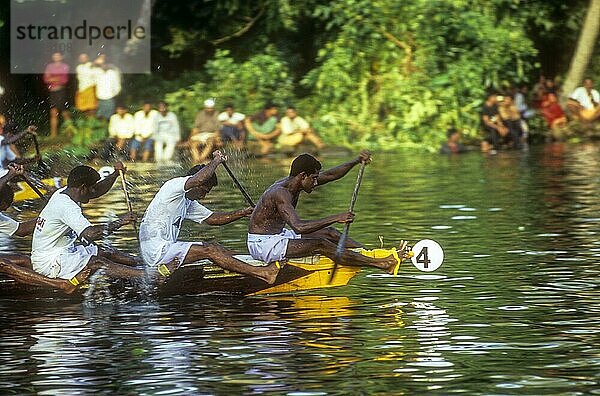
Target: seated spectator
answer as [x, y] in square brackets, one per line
[452, 144]
[552, 112]
[584, 102]
[295, 130]
[143, 122]
[121, 128]
[232, 127]
[492, 124]
[520, 99]
[205, 138]
[264, 127]
[512, 120]
[165, 133]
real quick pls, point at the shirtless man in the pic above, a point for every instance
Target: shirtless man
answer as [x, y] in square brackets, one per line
[269, 241]
[54, 252]
[179, 199]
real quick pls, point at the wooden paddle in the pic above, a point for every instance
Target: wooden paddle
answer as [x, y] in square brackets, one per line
[239, 186]
[342, 242]
[128, 201]
[36, 144]
[29, 182]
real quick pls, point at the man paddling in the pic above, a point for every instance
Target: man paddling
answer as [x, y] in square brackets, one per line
[55, 252]
[179, 199]
[18, 266]
[270, 241]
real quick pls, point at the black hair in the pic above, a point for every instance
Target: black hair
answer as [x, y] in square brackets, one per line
[7, 195]
[269, 105]
[305, 163]
[290, 107]
[82, 175]
[451, 131]
[228, 105]
[163, 102]
[212, 180]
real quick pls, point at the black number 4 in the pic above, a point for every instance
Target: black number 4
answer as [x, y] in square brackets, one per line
[423, 258]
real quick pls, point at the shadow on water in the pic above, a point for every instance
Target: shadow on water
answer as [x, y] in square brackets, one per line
[514, 309]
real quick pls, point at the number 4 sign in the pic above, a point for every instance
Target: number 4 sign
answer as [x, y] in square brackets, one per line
[428, 255]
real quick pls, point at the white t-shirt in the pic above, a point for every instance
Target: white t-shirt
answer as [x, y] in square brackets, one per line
[6, 154]
[86, 76]
[234, 119]
[166, 128]
[121, 127]
[581, 95]
[162, 221]
[290, 126]
[108, 83]
[144, 123]
[8, 226]
[58, 226]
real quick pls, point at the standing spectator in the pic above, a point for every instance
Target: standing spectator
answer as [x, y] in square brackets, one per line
[166, 133]
[144, 122]
[520, 99]
[205, 138]
[295, 130]
[56, 77]
[264, 127]
[492, 124]
[452, 144]
[584, 102]
[121, 128]
[85, 97]
[232, 127]
[108, 86]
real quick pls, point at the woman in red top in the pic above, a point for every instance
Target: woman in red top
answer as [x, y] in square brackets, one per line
[552, 112]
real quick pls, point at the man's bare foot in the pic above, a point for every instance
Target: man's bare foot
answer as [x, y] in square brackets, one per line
[67, 287]
[164, 271]
[269, 273]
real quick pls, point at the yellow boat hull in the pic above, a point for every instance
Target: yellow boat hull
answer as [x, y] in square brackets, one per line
[25, 192]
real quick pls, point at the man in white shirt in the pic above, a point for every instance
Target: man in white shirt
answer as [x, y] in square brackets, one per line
[54, 251]
[165, 133]
[108, 86]
[584, 102]
[144, 121]
[178, 199]
[295, 130]
[18, 266]
[232, 127]
[85, 97]
[121, 127]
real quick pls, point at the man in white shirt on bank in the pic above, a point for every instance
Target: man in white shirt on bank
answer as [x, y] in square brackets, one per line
[295, 130]
[179, 199]
[108, 86]
[165, 133]
[121, 127]
[55, 253]
[144, 122]
[584, 102]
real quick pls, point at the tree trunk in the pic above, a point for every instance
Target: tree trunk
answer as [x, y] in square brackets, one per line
[584, 50]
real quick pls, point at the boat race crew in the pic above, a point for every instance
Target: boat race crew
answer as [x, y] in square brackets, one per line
[18, 266]
[61, 223]
[177, 200]
[270, 241]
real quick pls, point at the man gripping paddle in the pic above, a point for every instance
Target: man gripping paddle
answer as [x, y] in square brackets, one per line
[270, 241]
[179, 199]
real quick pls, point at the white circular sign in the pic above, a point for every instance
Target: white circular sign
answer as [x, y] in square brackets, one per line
[428, 255]
[105, 171]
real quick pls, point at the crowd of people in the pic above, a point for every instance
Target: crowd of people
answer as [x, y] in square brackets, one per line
[154, 133]
[505, 115]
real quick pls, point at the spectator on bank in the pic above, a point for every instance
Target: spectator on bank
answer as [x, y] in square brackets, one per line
[8, 136]
[521, 102]
[512, 120]
[492, 124]
[232, 127]
[166, 133]
[264, 127]
[56, 77]
[453, 144]
[121, 128]
[552, 112]
[295, 130]
[144, 123]
[108, 86]
[85, 97]
[584, 102]
[205, 138]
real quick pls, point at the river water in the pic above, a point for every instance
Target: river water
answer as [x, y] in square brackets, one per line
[515, 309]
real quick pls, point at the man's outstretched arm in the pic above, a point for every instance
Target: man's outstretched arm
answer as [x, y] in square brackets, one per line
[341, 170]
[222, 218]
